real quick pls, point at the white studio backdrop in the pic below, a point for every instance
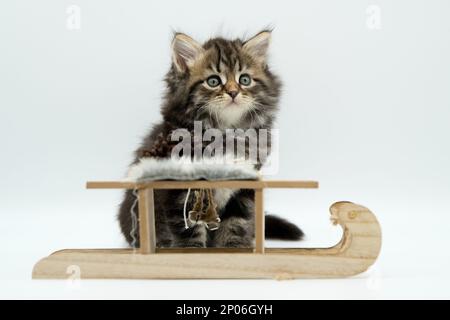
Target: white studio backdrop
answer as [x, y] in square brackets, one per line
[365, 111]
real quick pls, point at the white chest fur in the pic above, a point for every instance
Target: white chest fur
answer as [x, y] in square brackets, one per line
[222, 196]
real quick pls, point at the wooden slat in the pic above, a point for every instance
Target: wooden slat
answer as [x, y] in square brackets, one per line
[146, 221]
[111, 185]
[207, 250]
[259, 221]
[286, 184]
[243, 184]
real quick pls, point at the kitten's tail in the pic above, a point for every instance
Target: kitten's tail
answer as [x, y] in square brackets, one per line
[281, 229]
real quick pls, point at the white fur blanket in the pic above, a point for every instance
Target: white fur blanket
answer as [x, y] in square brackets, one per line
[149, 169]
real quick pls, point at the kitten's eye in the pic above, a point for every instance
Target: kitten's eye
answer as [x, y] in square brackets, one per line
[213, 81]
[245, 80]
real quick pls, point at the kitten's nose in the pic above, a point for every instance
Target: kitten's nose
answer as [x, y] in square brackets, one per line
[233, 93]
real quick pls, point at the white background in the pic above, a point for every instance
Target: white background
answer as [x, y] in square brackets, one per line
[366, 112]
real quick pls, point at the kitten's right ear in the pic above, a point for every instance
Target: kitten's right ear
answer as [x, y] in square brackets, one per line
[185, 51]
[259, 45]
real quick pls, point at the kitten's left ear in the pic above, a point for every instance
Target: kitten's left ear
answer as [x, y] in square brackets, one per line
[185, 51]
[258, 45]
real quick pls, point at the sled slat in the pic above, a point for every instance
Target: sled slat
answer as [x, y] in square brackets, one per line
[203, 184]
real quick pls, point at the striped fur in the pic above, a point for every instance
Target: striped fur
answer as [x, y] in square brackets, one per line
[232, 104]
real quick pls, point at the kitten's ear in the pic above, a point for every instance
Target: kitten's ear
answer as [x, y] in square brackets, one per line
[185, 51]
[258, 45]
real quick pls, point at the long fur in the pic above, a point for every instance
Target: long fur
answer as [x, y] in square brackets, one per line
[233, 103]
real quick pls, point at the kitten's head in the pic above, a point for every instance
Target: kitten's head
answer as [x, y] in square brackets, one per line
[224, 83]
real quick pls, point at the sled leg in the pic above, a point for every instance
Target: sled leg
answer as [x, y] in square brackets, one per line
[147, 221]
[259, 221]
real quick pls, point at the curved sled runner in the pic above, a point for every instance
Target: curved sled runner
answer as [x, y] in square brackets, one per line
[355, 253]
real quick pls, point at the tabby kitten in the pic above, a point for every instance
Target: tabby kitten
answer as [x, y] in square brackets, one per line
[224, 84]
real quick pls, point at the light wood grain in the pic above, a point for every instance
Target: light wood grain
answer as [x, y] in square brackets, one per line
[147, 234]
[234, 184]
[357, 251]
[259, 221]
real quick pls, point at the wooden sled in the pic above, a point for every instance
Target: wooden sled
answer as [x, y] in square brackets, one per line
[357, 250]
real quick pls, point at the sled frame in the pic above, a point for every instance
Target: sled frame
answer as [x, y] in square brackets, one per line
[358, 249]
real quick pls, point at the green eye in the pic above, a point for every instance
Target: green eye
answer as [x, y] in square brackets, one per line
[245, 80]
[213, 81]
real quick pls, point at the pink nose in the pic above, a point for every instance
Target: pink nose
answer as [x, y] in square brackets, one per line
[233, 94]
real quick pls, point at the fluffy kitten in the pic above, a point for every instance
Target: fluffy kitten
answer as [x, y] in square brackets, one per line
[224, 84]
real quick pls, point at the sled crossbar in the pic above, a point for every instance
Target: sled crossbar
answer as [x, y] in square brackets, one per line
[242, 184]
